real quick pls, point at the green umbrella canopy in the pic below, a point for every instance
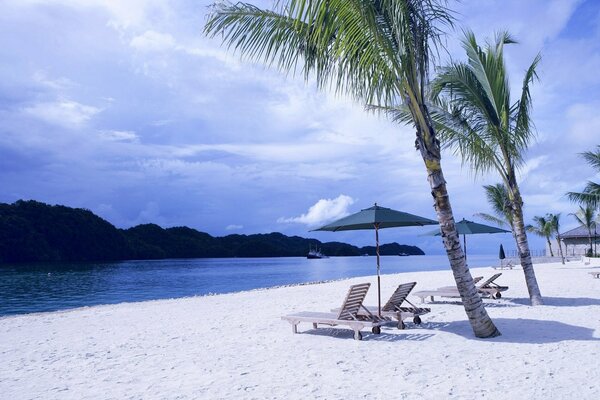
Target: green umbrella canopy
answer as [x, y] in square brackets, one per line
[465, 227]
[376, 218]
[383, 217]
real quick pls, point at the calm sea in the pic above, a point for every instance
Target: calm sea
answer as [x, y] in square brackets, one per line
[50, 287]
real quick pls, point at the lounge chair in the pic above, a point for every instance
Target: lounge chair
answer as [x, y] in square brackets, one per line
[492, 289]
[487, 289]
[508, 265]
[348, 314]
[393, 308]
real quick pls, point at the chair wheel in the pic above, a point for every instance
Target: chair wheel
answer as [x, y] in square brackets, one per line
[376, 330]
[417, 320]
[497, 295]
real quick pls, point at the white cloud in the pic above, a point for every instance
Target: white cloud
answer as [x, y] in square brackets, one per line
[234, 227]
[119, 136]
[153, 41]
[322, 211]
[66, 113]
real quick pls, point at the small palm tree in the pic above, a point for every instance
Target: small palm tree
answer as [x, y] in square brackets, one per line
[555, 222]
[586, 216]
[591, 192]
[542, 227]
[379, 53]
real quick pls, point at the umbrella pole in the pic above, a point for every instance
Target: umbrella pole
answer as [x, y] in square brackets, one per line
[378, 277]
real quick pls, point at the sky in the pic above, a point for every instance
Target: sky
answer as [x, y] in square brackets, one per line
[128, 110]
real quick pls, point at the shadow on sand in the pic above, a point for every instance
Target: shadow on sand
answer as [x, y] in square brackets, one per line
[519, 330]
[386, 335]
[561, 301]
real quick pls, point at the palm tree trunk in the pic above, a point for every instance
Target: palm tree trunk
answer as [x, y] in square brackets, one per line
[429, 146]
[523, 247]
[562, 257]
[591, 246]
[549, 246]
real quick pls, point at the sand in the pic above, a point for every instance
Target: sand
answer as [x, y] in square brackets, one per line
[237, 346]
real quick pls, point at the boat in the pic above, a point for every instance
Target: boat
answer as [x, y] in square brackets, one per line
[314, 254]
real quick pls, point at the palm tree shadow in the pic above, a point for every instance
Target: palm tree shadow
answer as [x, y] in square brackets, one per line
[520, 330]
[561, 301]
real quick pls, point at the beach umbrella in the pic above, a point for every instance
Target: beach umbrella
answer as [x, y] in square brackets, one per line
[376, 218]
[501, 254]
[465, 228]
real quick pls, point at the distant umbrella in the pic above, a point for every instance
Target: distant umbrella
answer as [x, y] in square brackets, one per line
[501, 254]
[376, 217]
[465, 228]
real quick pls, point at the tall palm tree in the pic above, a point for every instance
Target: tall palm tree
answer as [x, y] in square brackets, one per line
[555, 222]
[542, 227]
[586, 216]
[591, 192]
[377, 51]
[475, 118]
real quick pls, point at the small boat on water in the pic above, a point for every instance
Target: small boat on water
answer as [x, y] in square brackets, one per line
[314, 254]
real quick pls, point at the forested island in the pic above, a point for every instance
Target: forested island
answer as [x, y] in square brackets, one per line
[32, 231]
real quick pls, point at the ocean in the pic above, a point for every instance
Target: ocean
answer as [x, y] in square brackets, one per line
[28, 288]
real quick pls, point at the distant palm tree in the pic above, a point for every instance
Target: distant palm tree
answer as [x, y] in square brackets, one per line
[475, 118]
[591, 192]
[555, 222]
[543, 227]
[379, 53]
[586, 216]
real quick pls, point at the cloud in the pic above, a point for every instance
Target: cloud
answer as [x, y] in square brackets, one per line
[119, 136]
[66, 113]
[153, 41]
[234, 227]
[322, 211]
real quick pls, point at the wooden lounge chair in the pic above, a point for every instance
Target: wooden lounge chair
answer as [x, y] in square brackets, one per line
[508, 265]
[393, 308]
[488, 289]
[348, 314]
[492, 289]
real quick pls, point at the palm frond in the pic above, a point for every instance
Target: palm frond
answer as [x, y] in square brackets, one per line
[491, 218]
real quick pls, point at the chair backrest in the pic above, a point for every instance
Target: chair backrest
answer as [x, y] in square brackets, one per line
[490, 280]
[398, 296]
[477, 279]
[354, 299]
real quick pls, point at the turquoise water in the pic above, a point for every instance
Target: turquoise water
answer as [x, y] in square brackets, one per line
[51, 287]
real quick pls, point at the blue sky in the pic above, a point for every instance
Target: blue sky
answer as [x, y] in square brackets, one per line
[126, 109]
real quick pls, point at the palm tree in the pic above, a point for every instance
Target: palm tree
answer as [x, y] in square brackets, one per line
[378, 52]
[555, 222]
[591, 192]
[497, 197]
[543, 227]
[586, 216]
[475, 118]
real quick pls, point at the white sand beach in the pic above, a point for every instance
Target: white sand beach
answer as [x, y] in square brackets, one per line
[237, 346]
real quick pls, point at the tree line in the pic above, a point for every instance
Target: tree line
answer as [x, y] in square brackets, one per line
[32, 231]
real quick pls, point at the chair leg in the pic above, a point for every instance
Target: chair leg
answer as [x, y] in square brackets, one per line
[294, 328]
[315, 325]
